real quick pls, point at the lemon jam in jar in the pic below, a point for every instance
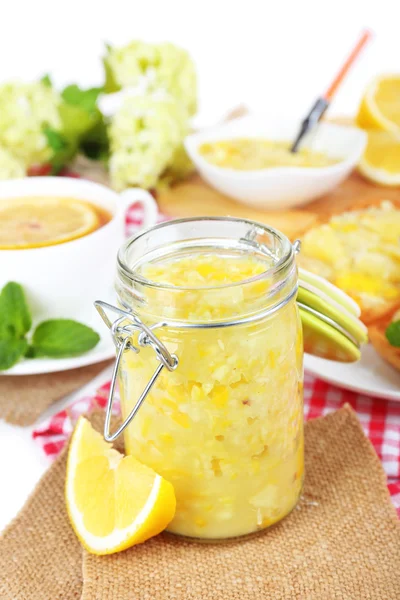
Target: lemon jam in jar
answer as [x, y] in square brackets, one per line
[225, 424]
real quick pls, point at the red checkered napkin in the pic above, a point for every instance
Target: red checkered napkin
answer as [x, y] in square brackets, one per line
[380, 419]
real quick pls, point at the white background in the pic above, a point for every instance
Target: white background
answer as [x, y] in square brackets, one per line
[277, 55]
[273, 55]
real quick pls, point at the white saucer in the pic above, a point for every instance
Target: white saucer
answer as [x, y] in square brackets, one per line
[371, 375]
[105, 348]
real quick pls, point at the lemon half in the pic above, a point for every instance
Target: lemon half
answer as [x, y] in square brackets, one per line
[113, 501]
[380, 106]
[381, 159]
[35, 222]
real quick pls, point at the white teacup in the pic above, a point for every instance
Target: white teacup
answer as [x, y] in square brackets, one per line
[65, 279]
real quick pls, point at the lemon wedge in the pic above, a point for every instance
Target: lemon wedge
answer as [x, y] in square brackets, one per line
[35, 222]
[380, 106]
[113, 501]
[380, 162]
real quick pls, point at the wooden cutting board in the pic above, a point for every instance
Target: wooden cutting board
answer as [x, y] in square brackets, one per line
[195, 198]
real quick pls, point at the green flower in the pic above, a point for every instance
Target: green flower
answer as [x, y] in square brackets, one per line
[25, 109]
[127, 66]
[176, 74]
[10, 166]
[153, 68]
[39, 126]
[145, 137]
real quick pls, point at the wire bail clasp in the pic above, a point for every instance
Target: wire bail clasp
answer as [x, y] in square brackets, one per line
[122, 330]
[296, 247]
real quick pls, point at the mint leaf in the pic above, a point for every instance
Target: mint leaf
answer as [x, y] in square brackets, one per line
[29, 352]
[46, 80]
[85, 99]
[15, 322]
[15, 318]
[393, 334]
[61, 338]
[11, 350]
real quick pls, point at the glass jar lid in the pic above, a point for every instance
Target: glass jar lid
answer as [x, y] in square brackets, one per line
[267, 276]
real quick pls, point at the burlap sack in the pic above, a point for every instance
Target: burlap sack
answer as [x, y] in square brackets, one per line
[24, 398]
[341, 543]
[40, 557]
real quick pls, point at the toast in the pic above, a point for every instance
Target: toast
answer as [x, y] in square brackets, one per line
[379, 341]
[358, 251]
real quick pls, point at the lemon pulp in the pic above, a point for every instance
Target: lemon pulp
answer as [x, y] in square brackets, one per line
[248, 154]
[226, 427]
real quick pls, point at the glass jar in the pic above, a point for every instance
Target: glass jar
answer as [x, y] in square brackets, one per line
[224, 421]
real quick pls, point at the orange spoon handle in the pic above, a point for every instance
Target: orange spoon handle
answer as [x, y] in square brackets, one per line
[363, 40]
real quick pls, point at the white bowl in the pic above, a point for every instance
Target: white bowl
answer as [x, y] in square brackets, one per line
[280, 187]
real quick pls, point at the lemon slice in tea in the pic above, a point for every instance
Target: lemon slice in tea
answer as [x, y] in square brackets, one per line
[36, 222]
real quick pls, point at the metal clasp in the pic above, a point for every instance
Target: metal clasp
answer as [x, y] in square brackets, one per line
[127, 324]
[296, 246]
[122, 330]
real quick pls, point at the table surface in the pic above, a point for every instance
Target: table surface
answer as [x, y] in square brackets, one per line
[195, 198]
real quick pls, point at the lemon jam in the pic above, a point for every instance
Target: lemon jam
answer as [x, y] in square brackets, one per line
[226, 426]
[250, 154]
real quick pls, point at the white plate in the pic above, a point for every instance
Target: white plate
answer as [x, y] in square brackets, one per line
[105, 348]
[371, 376]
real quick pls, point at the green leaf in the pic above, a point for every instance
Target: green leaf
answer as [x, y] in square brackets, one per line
[76, 121]
[95, 143]
[82, 125]
[79, 115]
[60, 338]
[15, 318]
[83, 121]
[30, 352]
[46, 80]
[63, 148]
[11, 351]
[110, 83]
[393, 334]
[85, 99]
[55, 139]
